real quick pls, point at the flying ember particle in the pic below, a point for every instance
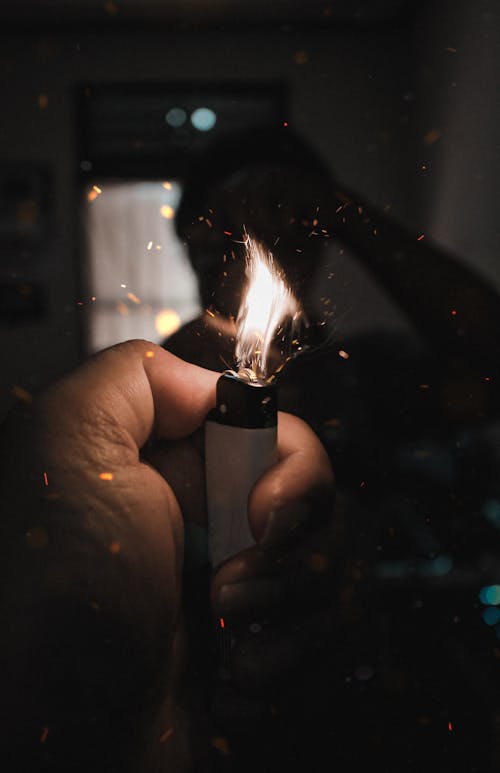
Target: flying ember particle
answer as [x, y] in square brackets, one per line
[133, 298]
[450, 726]
[45, 479]
[150, 354]
[114, 548]
[285, 123]
[106, 475]
[420, 237]
[167, 186]
[150, 244]
[96, 189]
[343, 354]
[221, 622]
[122, 285]
[21, 394]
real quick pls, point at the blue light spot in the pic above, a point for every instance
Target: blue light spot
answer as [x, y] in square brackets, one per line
[176, 117]
[437, 567]
[491, 615]
[490, 594]
[203, 119]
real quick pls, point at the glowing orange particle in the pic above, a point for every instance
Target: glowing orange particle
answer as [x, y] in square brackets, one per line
[114, 548]
[45, 479]
[420, 237]
[344, 355]
[167, 211]
[96, 189]
[221, 621]
[106, 475]
[432, 136]
[22, 394]
[450, 726]
[133, 298]
[167, 186]
[150, 354]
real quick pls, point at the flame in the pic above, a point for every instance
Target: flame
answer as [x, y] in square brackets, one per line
[266, 303]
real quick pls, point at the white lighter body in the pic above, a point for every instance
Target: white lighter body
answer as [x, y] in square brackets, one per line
[240, 445]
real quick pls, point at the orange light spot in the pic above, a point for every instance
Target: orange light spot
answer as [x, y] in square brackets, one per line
[22, 394]
[228, 233]
[318, 562]
[133, 298]
[114, 548]
[45, 479]
[150, 354]
[221, 744]
[92, 195]
[166, 734]
[167, 322]
[43, 101]
[424, 386]
[106, 475]
[344, 355]
[96, 189]
[167, 186]
[44, 734]
[432, 136]
[221, 621]
[167, 211]
[450, 726]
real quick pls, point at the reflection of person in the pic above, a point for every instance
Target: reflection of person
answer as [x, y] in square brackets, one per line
[93, 641]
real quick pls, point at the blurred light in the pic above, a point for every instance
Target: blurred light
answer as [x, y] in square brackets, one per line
[437, 567]
[176, 117]
[167, 211]
[167, 322]
[490, 594]
[491, 511]
[491, 615]
[203, 119]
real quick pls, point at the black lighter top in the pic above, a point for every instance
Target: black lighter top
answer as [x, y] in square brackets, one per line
[244, 402]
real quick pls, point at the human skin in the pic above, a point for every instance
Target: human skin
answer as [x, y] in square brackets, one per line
[92, 537]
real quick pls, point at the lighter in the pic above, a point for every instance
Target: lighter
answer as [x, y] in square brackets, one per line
[240, 445]
[241, 431]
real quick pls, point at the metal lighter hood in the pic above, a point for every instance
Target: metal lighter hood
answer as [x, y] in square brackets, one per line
[240, 445]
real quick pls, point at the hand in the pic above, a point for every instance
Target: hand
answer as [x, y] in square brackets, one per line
[93, 543]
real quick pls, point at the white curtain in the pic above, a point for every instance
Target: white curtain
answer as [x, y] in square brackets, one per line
[139, 272]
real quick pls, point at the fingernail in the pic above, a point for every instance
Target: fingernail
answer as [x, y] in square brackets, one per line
[248, 597]
[284, 522]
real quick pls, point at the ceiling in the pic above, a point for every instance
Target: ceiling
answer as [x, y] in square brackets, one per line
[199, 11]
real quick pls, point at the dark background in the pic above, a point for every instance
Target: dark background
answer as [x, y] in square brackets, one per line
[401, 99]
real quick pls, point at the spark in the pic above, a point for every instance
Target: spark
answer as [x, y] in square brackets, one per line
[343, 354]
[285, 123]
[92, 195]
[97, 189]
[453, 312]
[115, 548]
[150, 354]
[221, 621]
[167, 211]
[93, 298]
[167, 186]
[106, 475]
[450, 726]
[133, 298]
[228, 233]
[45, 479]
[420, 237]
[122, 285]
[150, 244]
